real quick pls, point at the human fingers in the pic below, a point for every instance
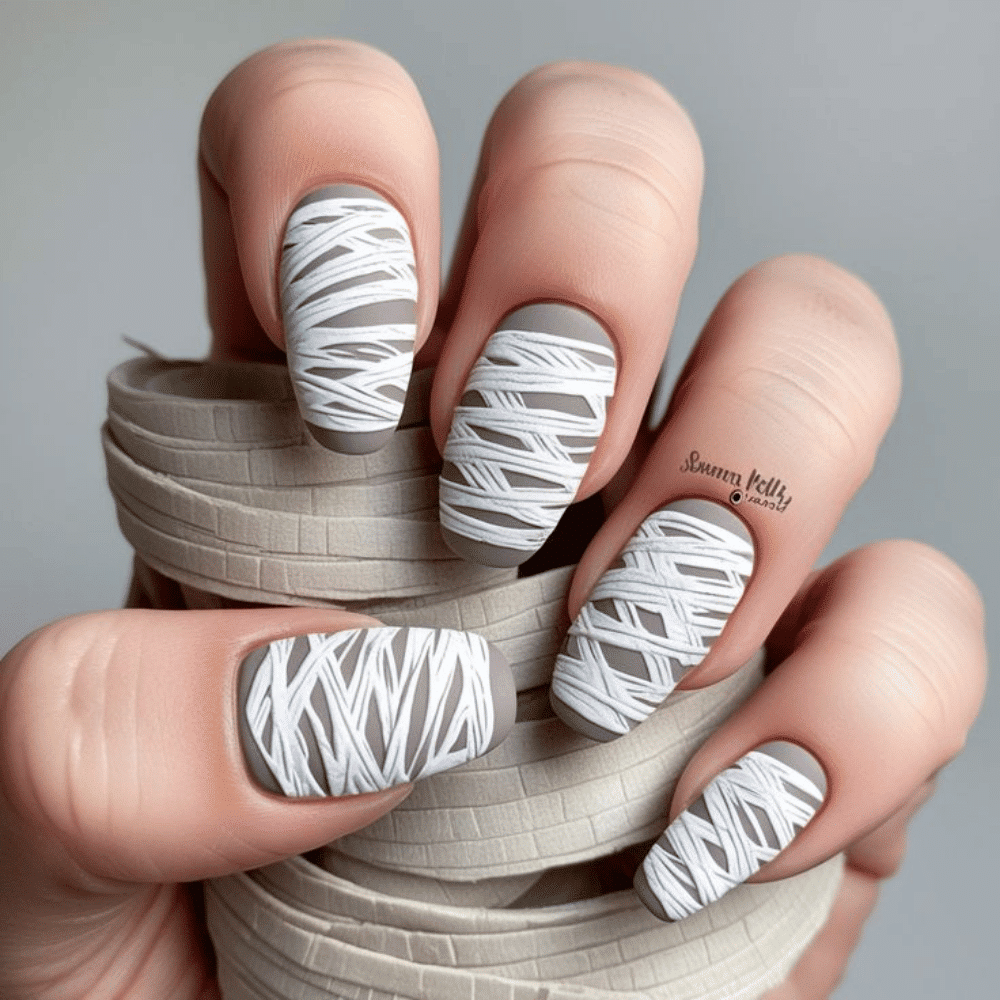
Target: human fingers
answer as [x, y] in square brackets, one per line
[142, 748]
[580, 232]
[321, 232]
[884, 678]
[773, 426]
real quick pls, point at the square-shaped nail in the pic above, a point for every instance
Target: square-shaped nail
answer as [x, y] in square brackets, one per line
[349, 308]
[653, 616]
[523, 433]
[744, 818]
[364, 709]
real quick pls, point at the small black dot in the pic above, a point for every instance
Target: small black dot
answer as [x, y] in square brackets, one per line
[735, 497]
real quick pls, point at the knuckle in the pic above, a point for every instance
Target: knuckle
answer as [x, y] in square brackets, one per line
[288, 87]
[618, 126]
[599, 99]
[292, 66]
[929, 641]
[285, 65]
[792, 393]
[51, 724]
[611, 196]
[918, 692]
[824, 357]
[843, 293]
[946, 624]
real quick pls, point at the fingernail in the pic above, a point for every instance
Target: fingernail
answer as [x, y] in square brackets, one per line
[652, 617]
[749, 813]
[349, 308]
[524, 430]
[366, 709]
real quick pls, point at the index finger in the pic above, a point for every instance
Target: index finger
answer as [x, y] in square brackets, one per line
[321, 233]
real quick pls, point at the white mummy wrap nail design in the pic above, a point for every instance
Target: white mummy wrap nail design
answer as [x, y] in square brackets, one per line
[365, 709]
[533, 410]
[749, 813]
[652, 616]
[348, 303]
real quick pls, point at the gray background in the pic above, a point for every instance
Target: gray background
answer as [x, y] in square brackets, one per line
[863, 131]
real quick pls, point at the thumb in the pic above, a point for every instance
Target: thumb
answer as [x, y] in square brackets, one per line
[133, 747]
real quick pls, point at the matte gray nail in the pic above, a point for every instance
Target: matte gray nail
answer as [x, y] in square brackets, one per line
[652, 617]
[365, 709]
[531, 415]
[349, 307]
[747, 815]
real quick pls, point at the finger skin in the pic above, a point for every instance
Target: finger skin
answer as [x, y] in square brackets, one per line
[290, 119]
[885, 677]
[796, 378]
[122, 753]
[586, 195]
[879, 853]
[774, 425]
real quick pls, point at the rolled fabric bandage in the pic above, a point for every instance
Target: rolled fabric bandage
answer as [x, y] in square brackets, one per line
[294, 923]
[491, 871]
[219, 486]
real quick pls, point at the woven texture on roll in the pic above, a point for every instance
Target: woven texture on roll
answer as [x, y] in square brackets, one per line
[218, 485]
[294, 930]
[491, 881]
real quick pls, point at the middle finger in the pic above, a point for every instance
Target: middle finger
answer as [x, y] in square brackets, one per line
[580, 233]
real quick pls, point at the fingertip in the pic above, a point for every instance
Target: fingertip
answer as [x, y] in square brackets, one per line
[653, 615]
[524, 430]
[294, 130]
[579, 723]
[799, 760]
[349, 294]
[747, 815]
[326, 715]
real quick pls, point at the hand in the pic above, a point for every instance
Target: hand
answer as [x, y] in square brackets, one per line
[586, 200]
[126, 771]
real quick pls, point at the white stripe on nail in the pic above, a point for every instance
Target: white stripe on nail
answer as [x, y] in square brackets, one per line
[348, 299]
[364, 709]
[533, 410]
[651, 618]
[749, 813]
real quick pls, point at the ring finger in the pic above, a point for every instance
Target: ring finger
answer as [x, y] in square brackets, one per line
[774, 425]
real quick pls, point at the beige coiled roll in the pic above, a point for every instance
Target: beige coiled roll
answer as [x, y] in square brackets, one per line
[505, 878]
